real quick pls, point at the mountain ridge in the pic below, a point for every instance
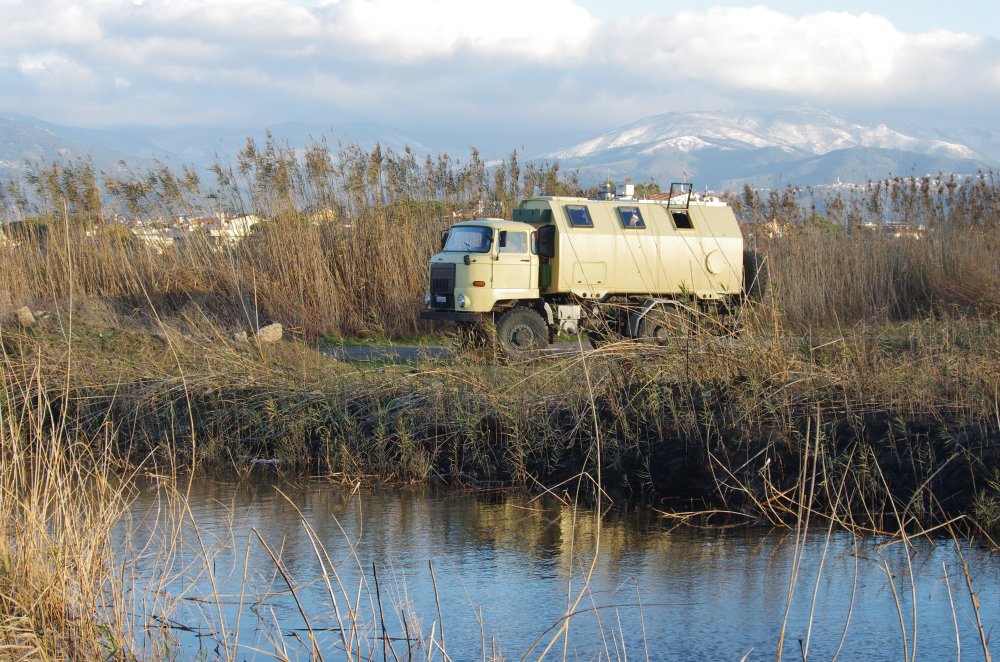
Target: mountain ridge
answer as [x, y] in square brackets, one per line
[807, 146]
[717, 149]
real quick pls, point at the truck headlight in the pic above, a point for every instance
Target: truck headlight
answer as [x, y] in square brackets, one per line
[427, 298]
[461, 301]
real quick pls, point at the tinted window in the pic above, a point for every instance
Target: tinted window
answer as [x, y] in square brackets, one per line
[579, 216]
[547, 241]
[513, 242]
[469, 239]
[631, 217]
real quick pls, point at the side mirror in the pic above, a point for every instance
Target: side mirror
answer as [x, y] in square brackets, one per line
[444, 238]
[547, 241]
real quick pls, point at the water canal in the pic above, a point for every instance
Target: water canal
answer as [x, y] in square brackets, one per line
[247, 568]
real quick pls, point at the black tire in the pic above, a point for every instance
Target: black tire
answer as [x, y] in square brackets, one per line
[602, 334]
[666, 323]
[755, 275]
[521, 332]
[598, 338]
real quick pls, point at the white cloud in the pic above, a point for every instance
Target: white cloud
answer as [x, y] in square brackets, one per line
[227, 20]
[829, 55]
[47, 24]
[534, 29]
[54, 71]
[469, 60]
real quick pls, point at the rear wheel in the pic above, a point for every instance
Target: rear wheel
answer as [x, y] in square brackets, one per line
[521, 332]
[666, 323]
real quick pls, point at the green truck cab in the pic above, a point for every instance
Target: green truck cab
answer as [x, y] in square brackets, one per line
[613, 268]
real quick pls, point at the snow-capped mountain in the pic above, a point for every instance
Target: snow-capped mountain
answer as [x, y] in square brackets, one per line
[718, 150]
[724, 148]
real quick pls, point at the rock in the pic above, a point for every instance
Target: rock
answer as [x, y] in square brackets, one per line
[169, 336]
[25, 317]
[270, 334]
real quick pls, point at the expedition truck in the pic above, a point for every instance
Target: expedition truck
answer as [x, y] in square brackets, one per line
[612, 268]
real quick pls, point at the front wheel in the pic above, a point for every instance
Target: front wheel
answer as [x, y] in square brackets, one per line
[521, 332]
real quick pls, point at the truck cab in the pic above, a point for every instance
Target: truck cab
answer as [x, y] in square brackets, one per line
[485, 265]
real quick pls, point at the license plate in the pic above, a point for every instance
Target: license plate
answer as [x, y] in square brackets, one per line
[440, 299]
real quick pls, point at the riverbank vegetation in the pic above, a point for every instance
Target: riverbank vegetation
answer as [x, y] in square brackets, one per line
[902, 419]
[874, 346]
[863, 389]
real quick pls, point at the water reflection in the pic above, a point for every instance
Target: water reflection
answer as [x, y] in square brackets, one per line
[213, 576]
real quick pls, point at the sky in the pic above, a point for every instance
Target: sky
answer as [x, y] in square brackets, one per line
[493, 71]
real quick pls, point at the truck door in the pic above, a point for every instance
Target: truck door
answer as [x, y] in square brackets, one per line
[637, 252]
[512, 265]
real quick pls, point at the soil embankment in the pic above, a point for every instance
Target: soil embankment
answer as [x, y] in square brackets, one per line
[876, 426]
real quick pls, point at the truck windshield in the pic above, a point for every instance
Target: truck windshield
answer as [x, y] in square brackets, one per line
[469, 239]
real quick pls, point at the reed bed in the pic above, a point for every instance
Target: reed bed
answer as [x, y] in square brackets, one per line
[906, 414]
[59, 498]
[823, 278]
[346, 236]
[884, 343]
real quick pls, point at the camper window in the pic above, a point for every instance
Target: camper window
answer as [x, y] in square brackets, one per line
[579, 216]
[682, 221]
[631, 217]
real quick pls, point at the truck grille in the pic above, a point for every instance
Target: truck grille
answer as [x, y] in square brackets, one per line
[443, 286]
[442, 278]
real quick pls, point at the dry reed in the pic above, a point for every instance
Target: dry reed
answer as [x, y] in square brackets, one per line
[344, 244]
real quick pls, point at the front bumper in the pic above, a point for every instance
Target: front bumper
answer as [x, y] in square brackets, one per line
[449, 316]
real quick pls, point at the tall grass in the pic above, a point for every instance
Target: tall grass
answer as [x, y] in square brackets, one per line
[827, 277]
[59, 498]
[348, 234]
[344, 251]
[701, 424]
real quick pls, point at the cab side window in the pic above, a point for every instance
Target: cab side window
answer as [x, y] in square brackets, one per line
[513, 242]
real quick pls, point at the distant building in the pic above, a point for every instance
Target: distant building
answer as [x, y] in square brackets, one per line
[221, 229]
[897, 230]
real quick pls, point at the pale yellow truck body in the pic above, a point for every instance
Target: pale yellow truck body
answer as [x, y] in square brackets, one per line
[570, 263]
[648, 255]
